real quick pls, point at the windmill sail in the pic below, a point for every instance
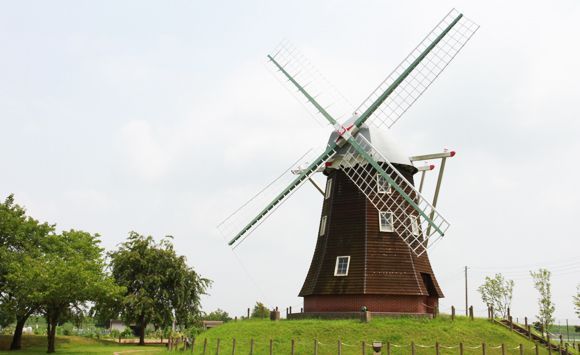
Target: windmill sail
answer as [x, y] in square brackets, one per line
[415, 220]
[248, 225]
[415, 74]
[297, 67]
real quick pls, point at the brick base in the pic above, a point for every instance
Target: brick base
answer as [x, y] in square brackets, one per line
[374, 303]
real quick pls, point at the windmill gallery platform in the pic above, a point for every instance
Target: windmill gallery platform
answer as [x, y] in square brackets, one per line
[375, 225]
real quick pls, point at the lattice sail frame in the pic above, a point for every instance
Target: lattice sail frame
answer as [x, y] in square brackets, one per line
[240, 220]
[365, 177]
[301, 69]
[423, 75]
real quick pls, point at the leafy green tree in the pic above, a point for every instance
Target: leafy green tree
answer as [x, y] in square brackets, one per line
[546, 307]
[577, 301]
[260, 311]
[68, 273]
[497, 292]
[159, 284]
[218, 314]
[21, 237]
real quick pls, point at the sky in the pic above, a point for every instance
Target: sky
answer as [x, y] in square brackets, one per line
[163, 118]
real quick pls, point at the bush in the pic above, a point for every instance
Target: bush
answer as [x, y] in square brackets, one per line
[66, 329]
[127, 333]
[7, 330]
[218, 314]
[260, 311]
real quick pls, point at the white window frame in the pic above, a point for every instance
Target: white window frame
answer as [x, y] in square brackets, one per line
[385, 229]
[338, 258]
[415, 228]
[328, 188]
[380, 186]
[322, 226]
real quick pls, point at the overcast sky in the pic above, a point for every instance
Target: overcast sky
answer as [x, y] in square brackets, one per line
[161, 117]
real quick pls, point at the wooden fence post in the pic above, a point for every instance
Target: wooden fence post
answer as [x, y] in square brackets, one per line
[437, 348]
[192, 344]
[508, 313]
[529, 332]
[234, 346]
[292, 349]
[460, 348]
[537, 348]
[412, 348]
[502, 349]
[248, 313]
[452, 312]
[217, 348]
[471, 312]
[364, 349]
[204, 345]
[388, 348]
[271, 347]
[521, 349]
[483, 349]
[339, 347]
[526, 322]
[492, 313]
[315, 346]
[511, 321]
[290, 309]
[252, 346]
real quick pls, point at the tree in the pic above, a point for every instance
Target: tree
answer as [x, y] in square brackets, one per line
[545, 305]
[218, 314]
[260, 311]
[21, 237]
[160, 287]
[577, 301]
[69, 273]
[497, 292]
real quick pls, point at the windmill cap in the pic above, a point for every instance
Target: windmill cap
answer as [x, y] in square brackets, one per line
[382, 140]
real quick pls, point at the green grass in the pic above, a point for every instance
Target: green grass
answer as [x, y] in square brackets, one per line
[398, 331]
[36, 344]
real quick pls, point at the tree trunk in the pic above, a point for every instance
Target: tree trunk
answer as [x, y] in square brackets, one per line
[142, 325]
[51, 322]
[17, 337]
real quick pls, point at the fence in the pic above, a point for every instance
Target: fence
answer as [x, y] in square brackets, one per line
[230, 347]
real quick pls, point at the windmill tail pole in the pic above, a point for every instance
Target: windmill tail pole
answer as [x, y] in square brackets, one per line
[438, 185]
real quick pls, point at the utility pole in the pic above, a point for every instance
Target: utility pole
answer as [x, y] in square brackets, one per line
[466, 300]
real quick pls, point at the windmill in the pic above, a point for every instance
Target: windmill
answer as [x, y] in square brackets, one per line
[375, 226]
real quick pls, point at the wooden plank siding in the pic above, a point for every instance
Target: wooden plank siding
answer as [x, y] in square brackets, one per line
[380, 262]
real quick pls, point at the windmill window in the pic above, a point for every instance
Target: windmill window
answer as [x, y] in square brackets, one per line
[383, 186]
[322, 226]
[341, 268]
[415, 225]
[328, 189]
[386, 222]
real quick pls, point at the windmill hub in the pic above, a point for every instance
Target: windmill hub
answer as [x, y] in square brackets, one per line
[381, 139]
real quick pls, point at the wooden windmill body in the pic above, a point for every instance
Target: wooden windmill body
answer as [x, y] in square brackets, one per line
[375, 225]
[382, 273]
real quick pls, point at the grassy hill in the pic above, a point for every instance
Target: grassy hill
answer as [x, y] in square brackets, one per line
[36, 344]
[398, 331]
